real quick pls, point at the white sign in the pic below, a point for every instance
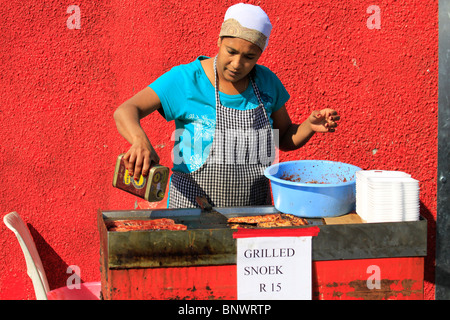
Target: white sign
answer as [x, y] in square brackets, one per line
[274, 268]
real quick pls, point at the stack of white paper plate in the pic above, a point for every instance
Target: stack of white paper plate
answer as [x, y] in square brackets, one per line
[386, 196]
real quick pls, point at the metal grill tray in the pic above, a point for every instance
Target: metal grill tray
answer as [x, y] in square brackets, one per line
[209, 241]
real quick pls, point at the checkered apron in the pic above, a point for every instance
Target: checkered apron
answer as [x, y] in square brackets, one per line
[233, 173]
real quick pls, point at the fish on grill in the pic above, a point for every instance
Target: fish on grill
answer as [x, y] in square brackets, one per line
[153, 224]
[266, 221]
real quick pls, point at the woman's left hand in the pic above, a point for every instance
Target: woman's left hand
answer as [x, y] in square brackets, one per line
[324, 120]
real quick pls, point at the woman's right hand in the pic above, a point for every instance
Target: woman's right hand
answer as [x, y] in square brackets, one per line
[140, 158]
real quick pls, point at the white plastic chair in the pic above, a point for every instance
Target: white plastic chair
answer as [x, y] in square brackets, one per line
[35, 269]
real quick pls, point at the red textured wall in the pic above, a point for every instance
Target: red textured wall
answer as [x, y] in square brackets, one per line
[59, 87]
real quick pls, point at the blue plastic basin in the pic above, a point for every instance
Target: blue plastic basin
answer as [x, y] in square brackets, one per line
[313, 188]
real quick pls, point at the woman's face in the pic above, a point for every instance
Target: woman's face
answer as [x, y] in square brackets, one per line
[236, 58]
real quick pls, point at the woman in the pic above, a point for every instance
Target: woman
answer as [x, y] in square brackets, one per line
[224, 109]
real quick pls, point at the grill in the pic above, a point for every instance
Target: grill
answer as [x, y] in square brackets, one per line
[149, 264]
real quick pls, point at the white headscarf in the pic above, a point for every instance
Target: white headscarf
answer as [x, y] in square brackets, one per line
[247, 22]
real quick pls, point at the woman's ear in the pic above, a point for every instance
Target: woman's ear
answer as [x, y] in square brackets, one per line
[219, 41]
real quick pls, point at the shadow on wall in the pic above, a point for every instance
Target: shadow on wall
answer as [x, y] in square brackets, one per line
[429, 268]
[55, 267]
